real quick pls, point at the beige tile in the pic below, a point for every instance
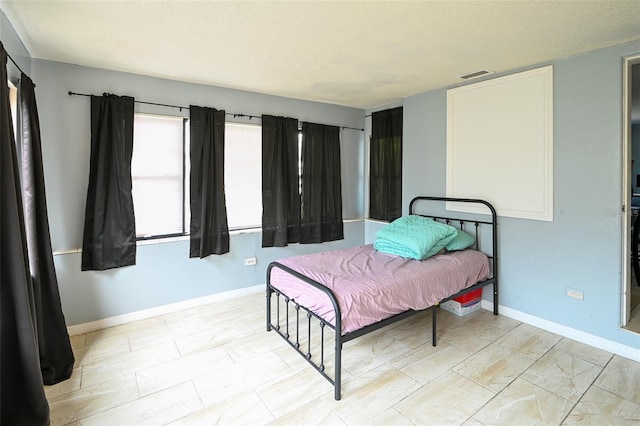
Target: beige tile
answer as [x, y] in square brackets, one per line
[390, 416]
[244, 409]
[316, 412]
[144, 338]
[257, 322]
[81, 403]
[369, 395]
[290, 356]
[530, 341]
[187, 326]
[471, 338]
[621, 377]
[230, 315]
[563, 374]
[449, 400]
[66, 386]
[125, 365]
[369, 352]
[585, 352]
[417, 354]
[255, 344]
[523, 403]
[599, 408]
[101, 347]
[227, 382]
[283, 394]
[181, 315]
[413, 332]
[171, 373]
[436, 362]
[472, 422]
[128, 328]
[77, 341]
[212, 338]
[498, 321]
[296, 362]
[476, 333]
[634, 322]
[156, 409]
[494, 367]
[446, 320]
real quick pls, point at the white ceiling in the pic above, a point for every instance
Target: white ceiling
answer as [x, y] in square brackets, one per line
[354, 53]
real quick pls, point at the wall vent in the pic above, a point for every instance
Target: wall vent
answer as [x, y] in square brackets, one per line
[475, 74]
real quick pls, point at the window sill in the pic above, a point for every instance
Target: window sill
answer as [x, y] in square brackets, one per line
[185, 238]
[382, 222]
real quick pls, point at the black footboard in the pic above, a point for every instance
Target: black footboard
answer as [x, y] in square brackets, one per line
[292, 332]
[286, 319]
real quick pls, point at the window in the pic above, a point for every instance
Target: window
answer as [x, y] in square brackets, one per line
[160, 175]
[13, 103]
[243, 175]
[158, 170]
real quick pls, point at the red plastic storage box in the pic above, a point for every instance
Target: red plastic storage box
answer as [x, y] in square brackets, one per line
[469, 297]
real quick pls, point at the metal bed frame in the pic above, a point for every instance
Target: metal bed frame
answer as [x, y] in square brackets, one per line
[293, 337]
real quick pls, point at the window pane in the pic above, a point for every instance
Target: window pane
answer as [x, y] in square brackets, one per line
[157, 173]
[13, 103]
[243, 175]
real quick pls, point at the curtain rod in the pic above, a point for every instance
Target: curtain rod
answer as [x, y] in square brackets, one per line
[16, 64]
[235, 115]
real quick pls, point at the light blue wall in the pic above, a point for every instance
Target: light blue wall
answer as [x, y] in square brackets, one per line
[164, 274]
[582, 247]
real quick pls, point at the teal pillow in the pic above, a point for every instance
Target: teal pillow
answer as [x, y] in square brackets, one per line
[440, 245]
[461, 241]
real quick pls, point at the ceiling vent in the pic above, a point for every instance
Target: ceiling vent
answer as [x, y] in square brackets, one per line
[476, 74]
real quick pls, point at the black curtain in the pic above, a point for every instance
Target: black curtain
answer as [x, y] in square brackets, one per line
[209, 229]
[280, 184]
[109, 239]
[56, 355]
[22, 398]
[321, 184]
[385, 168]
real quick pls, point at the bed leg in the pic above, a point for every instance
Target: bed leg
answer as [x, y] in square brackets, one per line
[338, 367]
[434, 310]
[268, 308]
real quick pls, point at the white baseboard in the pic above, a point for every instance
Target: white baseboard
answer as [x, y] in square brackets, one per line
[571, 333]
[161, 310]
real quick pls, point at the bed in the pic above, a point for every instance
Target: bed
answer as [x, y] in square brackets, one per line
[340, 295]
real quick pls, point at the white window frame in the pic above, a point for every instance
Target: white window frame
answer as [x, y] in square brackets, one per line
[185, 180]
[242, 228]
[250, 194]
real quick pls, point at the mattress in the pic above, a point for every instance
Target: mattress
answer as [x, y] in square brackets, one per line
[371, 286]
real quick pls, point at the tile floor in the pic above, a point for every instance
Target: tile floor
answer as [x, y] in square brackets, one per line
[217, 365]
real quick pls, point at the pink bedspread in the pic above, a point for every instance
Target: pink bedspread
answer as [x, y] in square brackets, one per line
[371, 286]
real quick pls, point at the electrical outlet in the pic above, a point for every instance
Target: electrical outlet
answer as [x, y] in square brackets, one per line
[250, 261]
[576, 294]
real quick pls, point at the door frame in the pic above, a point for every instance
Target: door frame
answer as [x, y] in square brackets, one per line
[627, 185]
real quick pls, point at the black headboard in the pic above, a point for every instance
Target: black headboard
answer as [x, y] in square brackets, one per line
[469, 220]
